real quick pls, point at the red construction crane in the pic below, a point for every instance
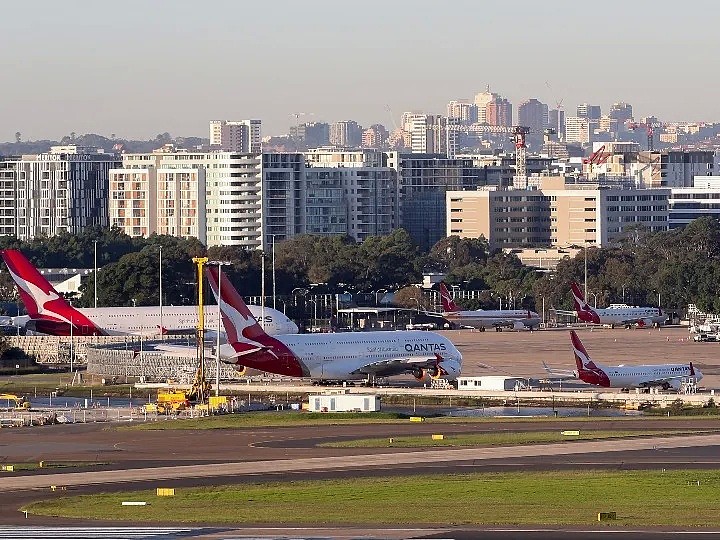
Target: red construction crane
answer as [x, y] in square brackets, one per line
[650, 129]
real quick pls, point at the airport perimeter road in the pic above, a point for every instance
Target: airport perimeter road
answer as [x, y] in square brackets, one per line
[366, 461]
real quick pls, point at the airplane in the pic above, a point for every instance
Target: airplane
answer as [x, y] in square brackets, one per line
[622, 376]
[50, 313]
[343, 356]
[482, 319]
[620, 314]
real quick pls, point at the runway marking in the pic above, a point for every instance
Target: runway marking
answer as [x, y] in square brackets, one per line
[350, 462]
[92, 533]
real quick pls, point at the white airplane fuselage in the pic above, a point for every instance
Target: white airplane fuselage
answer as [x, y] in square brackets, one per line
[622, 315]
[342, 356]
[493, 318]
[146, 319]
[644, 376]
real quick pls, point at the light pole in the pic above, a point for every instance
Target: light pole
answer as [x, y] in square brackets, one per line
[160, 293]
[314, 301]
[623, 293]
[594, 295]
[219, 264]
[273, 269]
[417, 303]
[95, 272]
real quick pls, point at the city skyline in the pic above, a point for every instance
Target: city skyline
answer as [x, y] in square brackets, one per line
[146, 69]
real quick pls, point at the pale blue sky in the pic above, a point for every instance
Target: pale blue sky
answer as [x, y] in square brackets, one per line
[140, 67]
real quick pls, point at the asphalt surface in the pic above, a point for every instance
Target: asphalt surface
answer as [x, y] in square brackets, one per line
[281, 453]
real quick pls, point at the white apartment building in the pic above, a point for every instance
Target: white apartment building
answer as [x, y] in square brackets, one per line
[427, 133]
[64, 190]
[700, 200]
[242, 136]
[578, 130]
[213, 196]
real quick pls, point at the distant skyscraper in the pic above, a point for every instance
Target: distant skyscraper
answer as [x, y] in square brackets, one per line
[592, 112]
[346, 133]
[312, 134]
[533, 114]
[464, 111]
[375, 136]
[242, 136]
[577, 130]
[499, 112]
[427, 132]
[556, 120]
[622, 112]
[481, 101]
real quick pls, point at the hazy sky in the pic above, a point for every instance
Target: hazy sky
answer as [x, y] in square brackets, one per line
[140, 67]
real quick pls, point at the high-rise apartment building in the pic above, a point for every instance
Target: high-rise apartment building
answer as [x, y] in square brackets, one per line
[242, 136]
[578, 130]
[464, 111]
[533, 114]
[593, 112]
[64, 190]
[499, 113]
[311, 134]
[346, 134]
[427, 132]
[556, 121]
[423, 181]
[375, 136]
[482, 100]
[621, 112]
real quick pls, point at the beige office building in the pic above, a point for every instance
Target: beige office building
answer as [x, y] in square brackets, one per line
[555, 215]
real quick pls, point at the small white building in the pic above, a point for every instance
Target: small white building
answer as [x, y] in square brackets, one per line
[492, 382]
[344, 402]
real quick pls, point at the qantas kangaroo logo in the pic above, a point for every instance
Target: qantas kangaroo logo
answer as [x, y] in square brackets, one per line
[584, 311]
[588, 371]
[447, 300]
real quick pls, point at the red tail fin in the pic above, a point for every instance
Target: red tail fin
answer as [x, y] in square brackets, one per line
[588, 371]
[42, 301]
[239, 323]
[448, 303]
[584, 311]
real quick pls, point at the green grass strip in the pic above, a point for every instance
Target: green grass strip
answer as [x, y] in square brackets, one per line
[684, 498]
[496, 439]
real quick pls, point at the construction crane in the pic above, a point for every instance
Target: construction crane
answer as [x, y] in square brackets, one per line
[649, 128]
[598, 157]
[519, 137]
[201, 387]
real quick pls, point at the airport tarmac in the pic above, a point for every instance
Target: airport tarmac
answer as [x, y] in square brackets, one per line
[522, 353]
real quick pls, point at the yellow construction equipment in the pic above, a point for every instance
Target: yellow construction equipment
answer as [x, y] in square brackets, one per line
[18, 402]
[201, 387]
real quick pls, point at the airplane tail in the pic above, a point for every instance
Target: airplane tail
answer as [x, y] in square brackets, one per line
[45, 306]
[448, 303]
[251, 346]
[588, 371]
[584, 312]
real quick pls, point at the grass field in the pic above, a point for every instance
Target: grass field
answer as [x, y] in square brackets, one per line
[269, 419]
[497, 439]
[296, 418]
[640, 498]
[52, 465]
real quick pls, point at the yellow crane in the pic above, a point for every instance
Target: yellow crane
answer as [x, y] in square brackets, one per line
[201, 387]
[20, 402]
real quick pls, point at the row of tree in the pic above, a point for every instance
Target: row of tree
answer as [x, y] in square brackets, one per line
[672, 269]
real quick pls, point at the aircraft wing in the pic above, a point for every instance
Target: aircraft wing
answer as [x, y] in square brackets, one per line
[560, 374]
[401, 365]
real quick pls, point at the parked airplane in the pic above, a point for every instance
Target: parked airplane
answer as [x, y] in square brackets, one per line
[644, 376]
[614, 315]
[331, 357]
[49, 313]
[482, 319]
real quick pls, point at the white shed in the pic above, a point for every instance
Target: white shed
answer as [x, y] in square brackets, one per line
[344, 403]
[492, 382]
